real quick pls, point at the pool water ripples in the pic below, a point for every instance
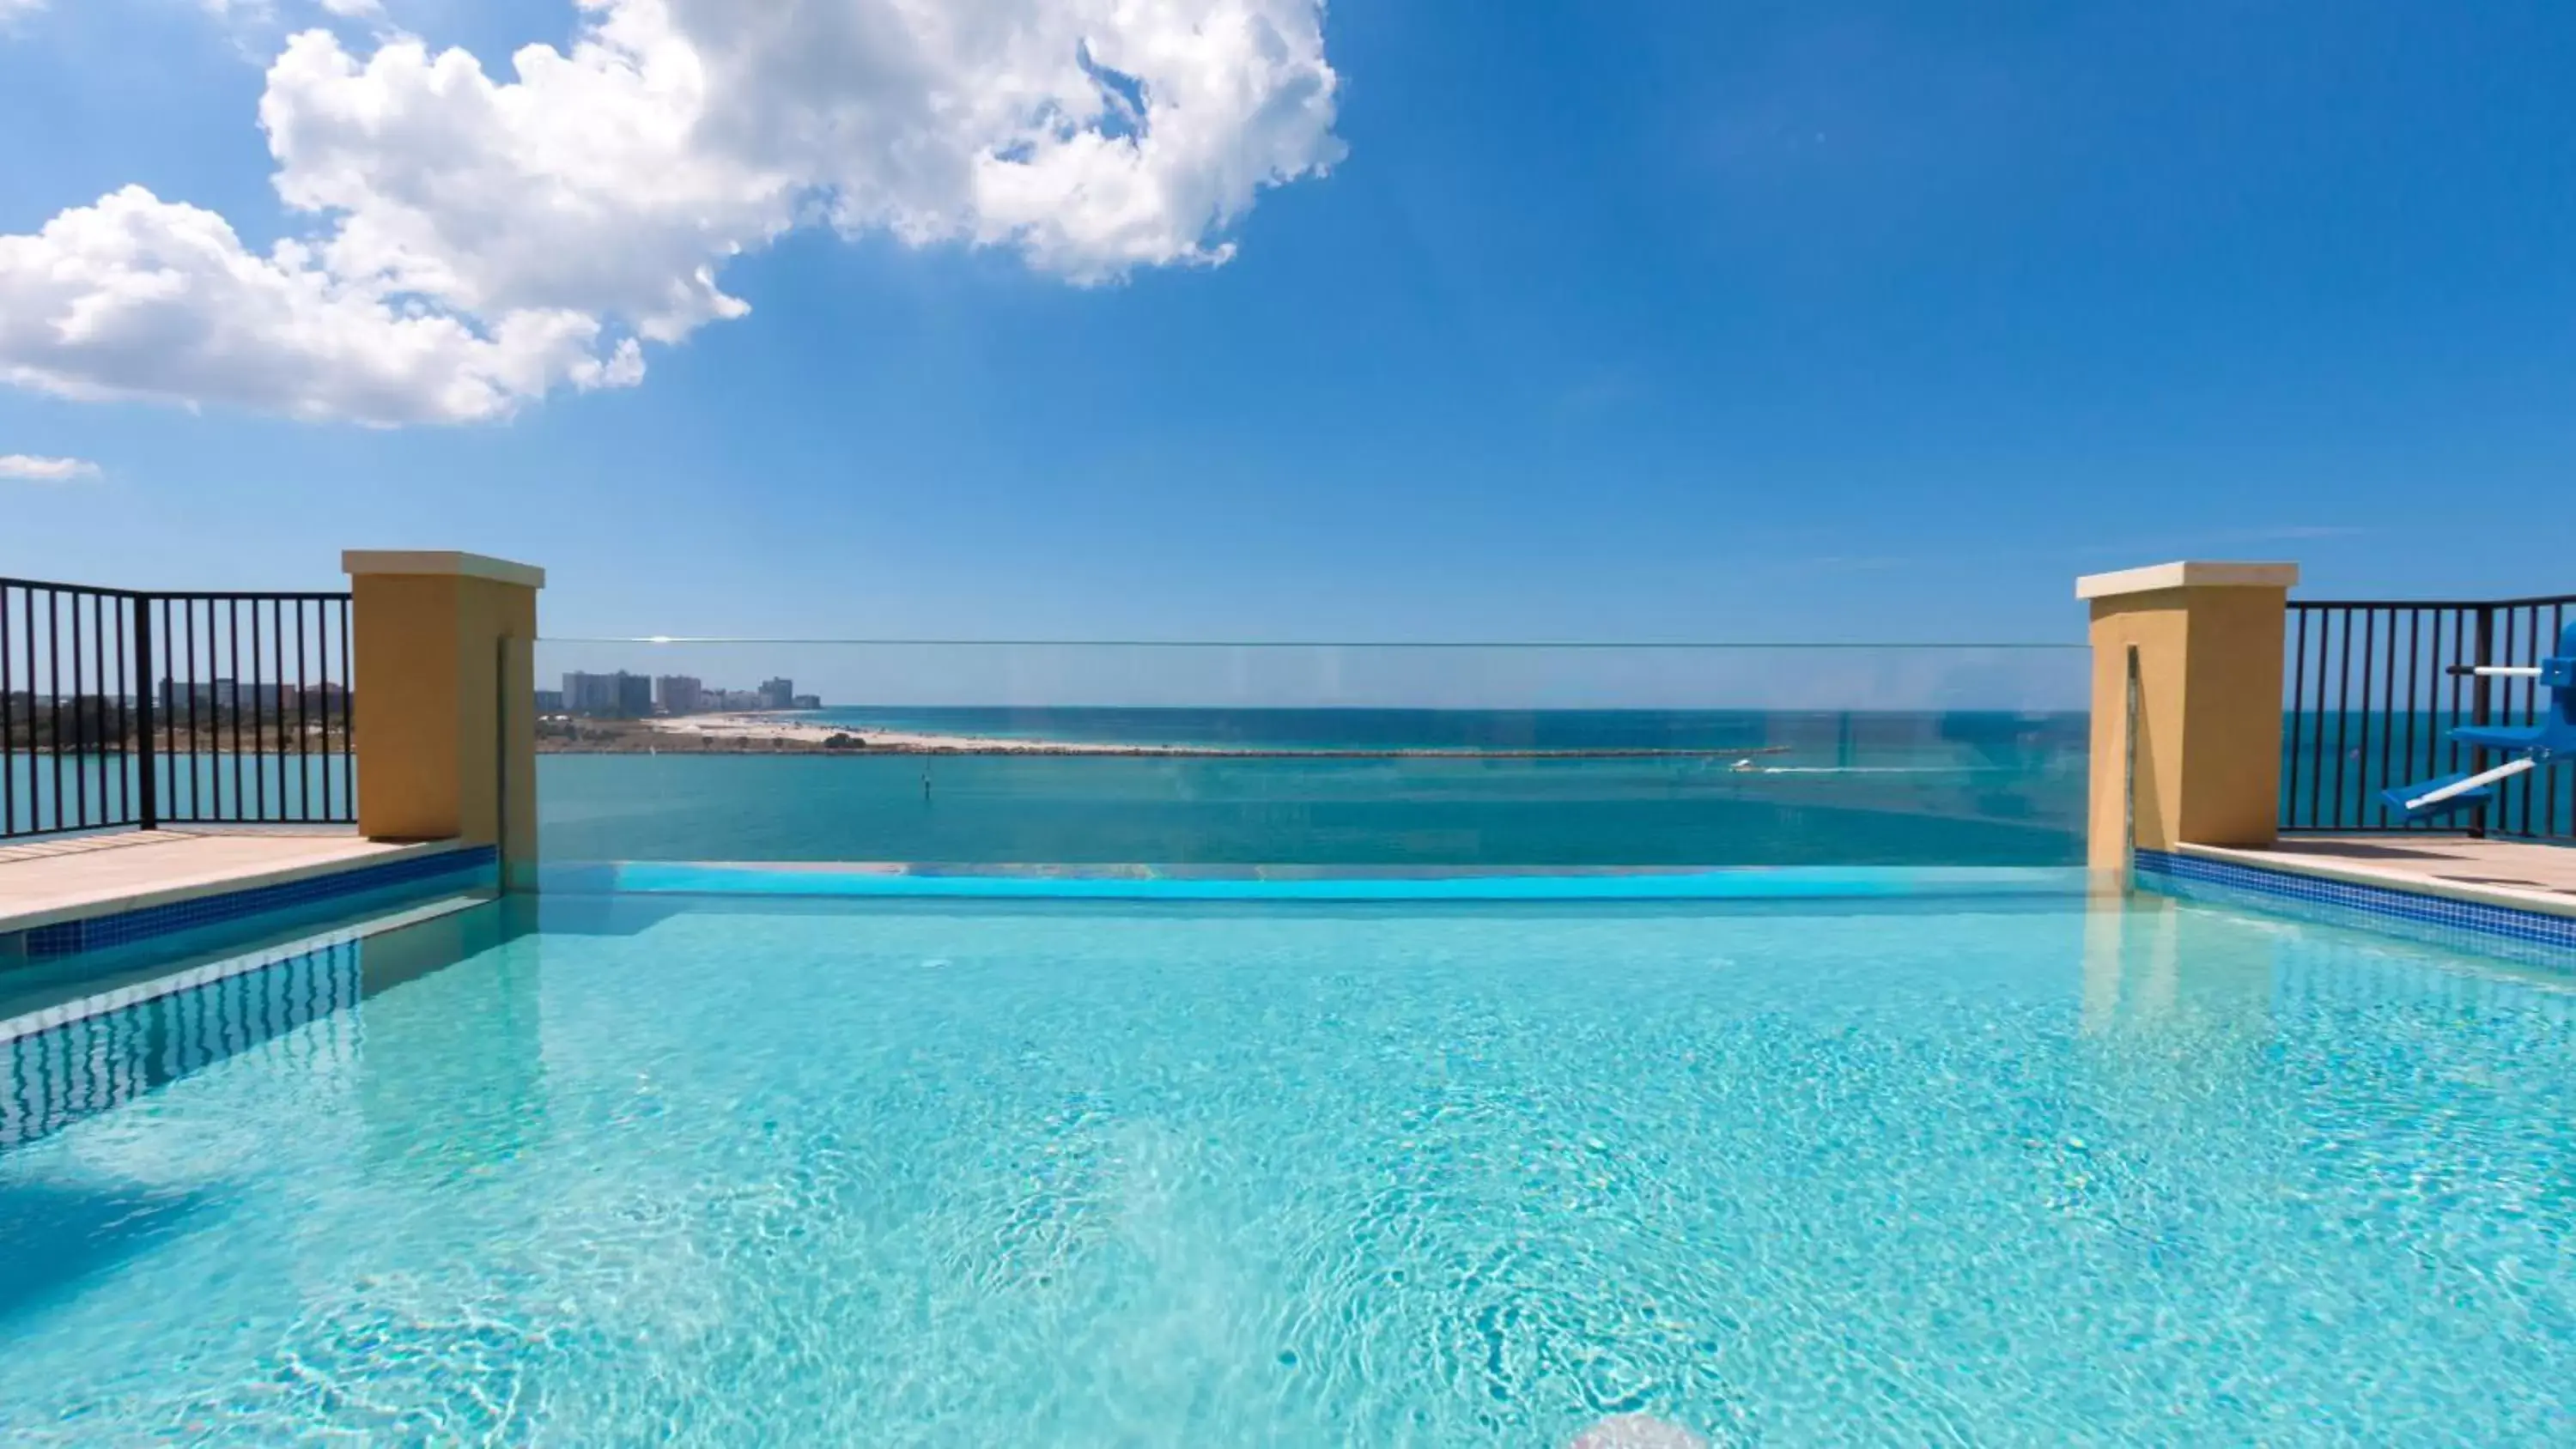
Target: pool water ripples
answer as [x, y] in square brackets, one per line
[725, 1173]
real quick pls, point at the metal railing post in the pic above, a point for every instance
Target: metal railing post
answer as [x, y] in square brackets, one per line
[147, 791]
[2481, 708]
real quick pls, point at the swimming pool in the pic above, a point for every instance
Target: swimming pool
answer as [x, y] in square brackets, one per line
[2011, 1168]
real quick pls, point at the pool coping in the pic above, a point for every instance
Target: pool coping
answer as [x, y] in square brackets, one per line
[36, 918]
[145, 914]
[2358, 873]
[2407, 905]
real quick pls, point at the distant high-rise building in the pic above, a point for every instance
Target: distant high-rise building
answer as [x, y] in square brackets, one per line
[550, 701]
[678, 694]
[619, 694]
[589, 693]
[778, 694]
[808, 701]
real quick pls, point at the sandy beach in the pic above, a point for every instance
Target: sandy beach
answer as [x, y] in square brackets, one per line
[757, 729]
[752, 731]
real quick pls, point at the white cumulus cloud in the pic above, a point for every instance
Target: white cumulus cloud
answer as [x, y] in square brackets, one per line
[140, 298]
[45, 470]
[477, 241]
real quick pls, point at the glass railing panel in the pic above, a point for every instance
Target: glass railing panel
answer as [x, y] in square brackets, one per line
[1311, 755]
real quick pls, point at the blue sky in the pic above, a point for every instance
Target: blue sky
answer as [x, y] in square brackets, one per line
[1613, 321]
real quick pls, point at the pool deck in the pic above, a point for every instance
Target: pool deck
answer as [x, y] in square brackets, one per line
[2520, 874]
[46, 881]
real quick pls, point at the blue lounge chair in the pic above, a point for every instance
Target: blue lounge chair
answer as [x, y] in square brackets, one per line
[2549, 742]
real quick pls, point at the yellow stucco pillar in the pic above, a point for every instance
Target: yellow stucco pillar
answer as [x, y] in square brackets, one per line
[2208, 638]
[446, 698]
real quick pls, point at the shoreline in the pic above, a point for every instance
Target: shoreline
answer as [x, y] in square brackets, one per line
[745, 733]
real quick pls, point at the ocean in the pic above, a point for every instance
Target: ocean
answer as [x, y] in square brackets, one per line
[1849, 787]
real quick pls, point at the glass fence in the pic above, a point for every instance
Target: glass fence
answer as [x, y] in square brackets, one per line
[1310, 755]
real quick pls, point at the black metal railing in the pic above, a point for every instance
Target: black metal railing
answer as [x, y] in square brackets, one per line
[135, 709]
[2375, 687]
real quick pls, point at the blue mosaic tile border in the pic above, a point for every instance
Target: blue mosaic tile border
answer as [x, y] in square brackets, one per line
[2178, 875]
[98, 932]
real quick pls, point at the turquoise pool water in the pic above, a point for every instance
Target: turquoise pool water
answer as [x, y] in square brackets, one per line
[2004, 1169]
